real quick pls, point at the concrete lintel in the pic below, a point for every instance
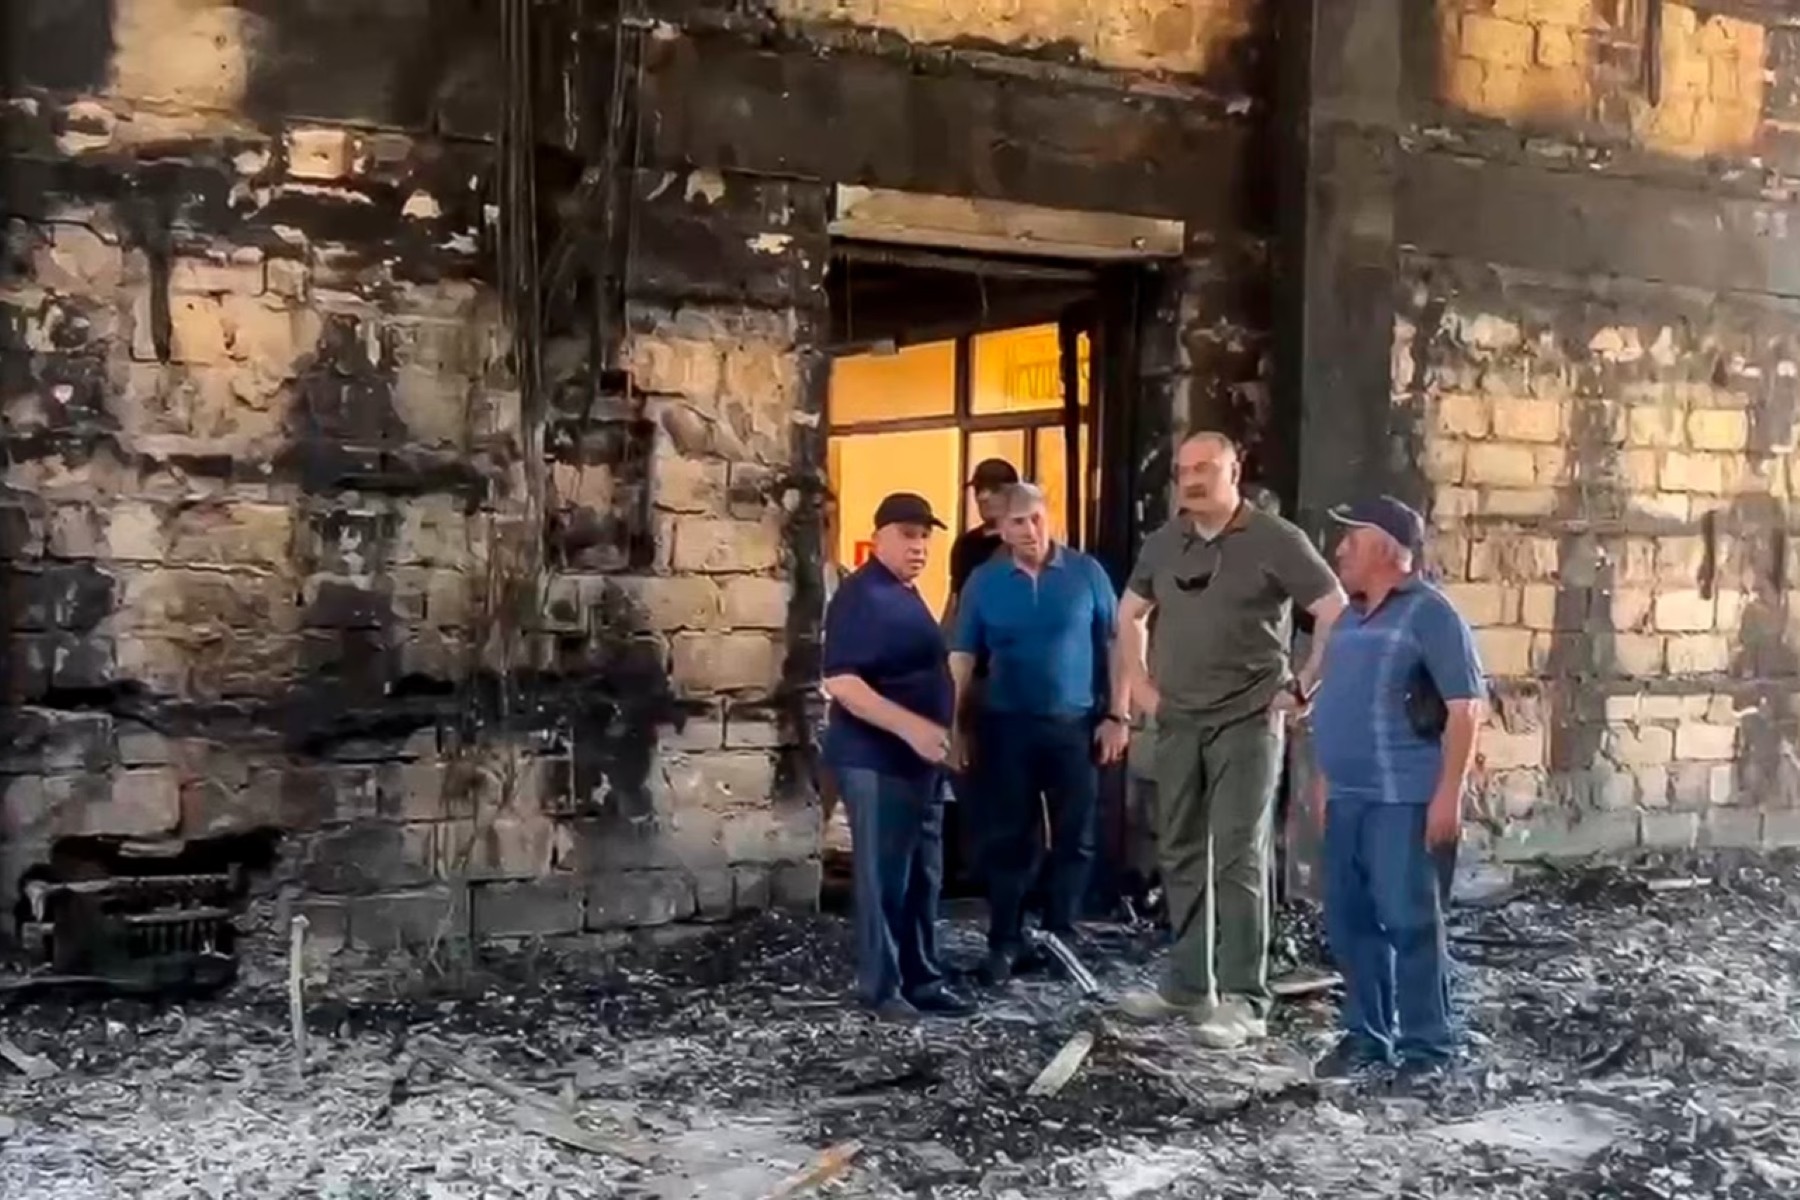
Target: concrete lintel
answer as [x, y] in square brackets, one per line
[1000, 226]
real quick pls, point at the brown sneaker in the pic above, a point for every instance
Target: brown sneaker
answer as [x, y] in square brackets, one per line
[1151, 1006]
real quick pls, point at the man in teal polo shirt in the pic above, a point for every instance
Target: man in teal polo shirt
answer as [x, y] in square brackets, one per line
[1044, 615]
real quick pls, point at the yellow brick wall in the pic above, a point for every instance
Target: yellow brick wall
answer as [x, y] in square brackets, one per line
[1182, 36]
[1609, 513]
[1564, 64]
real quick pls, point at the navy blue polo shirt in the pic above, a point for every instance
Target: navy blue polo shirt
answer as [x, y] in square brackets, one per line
[1047, 639]
[1363, 741]
[879, 629]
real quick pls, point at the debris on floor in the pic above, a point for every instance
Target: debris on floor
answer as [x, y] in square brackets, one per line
[1626, 1040]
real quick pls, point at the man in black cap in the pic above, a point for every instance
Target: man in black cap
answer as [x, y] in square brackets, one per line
[1394, 729]
[887, 673]
[980, 543]
[973, 548]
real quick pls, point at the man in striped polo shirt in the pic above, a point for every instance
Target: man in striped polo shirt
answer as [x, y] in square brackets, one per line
[1394, 727]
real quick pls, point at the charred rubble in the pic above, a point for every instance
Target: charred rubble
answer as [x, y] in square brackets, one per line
[1632, 1033]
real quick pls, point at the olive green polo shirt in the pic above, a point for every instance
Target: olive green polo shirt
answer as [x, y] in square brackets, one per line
[1222, 621]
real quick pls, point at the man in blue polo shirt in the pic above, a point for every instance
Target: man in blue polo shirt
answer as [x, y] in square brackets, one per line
[1394, 727]
[1044, 615]
[886, 739]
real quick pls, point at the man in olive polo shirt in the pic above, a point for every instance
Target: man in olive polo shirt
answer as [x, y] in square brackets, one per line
[1221, 579]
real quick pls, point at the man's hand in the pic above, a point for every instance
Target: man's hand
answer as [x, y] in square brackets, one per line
[1112, 740]
[929, 740]
[1443, 820]
[1315, 802]
[1144, 696]
[958, 759]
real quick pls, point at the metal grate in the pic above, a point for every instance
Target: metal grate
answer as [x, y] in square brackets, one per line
[119, 924]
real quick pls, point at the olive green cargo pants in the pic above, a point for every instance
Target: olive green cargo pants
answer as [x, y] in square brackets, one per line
[1215, 818]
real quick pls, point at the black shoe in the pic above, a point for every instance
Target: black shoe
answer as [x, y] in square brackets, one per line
[894, 1009]
[942, 1002]
[1421, 1074]
[997, 969]
[1034, 959]
[1348, 1060]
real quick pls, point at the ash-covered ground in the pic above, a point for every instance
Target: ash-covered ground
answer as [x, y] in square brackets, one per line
[1634, 1034]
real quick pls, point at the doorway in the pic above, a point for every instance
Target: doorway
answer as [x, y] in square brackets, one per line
[938, 361]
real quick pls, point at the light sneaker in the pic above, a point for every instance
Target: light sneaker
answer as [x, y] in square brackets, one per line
[1149, 1007]
[1230, 1025]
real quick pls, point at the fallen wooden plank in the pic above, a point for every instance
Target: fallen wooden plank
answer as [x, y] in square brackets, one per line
[533, 1111]
[1681, 883]
[1308, 984]
[28, 1065]
[1063, 1067]
[828, 1166]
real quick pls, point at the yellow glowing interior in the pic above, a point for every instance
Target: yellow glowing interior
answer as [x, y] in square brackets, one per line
[919, 381]
[1020, 370]
[1012, 372]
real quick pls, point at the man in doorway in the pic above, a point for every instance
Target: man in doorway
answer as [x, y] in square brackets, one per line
[1044, 616]
[976, 545]
[972, 548]
[1221, 579]
[886, 741]
[1394, 731]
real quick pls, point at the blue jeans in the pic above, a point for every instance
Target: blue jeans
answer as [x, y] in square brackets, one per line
[1386, 926]
[1030, 763]
[897, 848]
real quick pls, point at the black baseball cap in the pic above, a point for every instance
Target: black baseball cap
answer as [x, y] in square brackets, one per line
[1395, 518]
[906, 508]
[991, 473]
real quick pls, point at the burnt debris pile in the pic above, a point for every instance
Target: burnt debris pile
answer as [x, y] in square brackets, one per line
[1633, 1033]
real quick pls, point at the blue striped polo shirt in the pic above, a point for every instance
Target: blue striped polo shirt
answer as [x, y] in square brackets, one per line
[1363, 740]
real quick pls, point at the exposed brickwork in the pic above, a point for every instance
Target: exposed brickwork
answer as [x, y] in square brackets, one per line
[269, 529]
[1584, 61]
[1590, 385]
[1610, 478]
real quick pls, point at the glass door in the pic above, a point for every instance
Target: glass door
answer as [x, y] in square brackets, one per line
[920, 418]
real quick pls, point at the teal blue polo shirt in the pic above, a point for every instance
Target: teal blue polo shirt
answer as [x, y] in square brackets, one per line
[1046, 640]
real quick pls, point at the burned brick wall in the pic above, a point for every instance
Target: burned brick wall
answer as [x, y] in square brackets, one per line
[263, 447]
[504, 611]
[1573, 216]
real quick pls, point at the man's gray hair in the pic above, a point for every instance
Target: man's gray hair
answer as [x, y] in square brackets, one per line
[1016, 499]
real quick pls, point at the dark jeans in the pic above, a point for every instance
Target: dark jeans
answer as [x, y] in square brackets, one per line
[1386, 928]
[1029, 763]
[897, 847]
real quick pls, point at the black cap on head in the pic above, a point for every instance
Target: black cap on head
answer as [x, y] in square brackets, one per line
[991, 473]
[906, 508]
[1395, 518]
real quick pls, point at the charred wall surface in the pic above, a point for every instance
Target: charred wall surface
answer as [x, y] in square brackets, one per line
[1550, 295]
[477, 552]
